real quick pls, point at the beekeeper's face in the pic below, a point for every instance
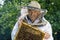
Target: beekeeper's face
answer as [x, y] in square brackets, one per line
[33, 14]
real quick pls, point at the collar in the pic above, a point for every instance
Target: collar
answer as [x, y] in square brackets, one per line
[44, 22]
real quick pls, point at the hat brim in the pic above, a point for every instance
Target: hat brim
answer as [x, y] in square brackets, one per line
[41, 10]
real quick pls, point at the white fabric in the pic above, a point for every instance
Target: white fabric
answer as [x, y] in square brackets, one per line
[15, 29]
[47, 28]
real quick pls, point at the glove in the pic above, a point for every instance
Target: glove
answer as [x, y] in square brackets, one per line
[24, 12]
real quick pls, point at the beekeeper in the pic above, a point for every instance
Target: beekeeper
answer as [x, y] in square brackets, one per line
[34, 15]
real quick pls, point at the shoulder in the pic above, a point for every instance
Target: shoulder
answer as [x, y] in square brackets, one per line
[47, 22]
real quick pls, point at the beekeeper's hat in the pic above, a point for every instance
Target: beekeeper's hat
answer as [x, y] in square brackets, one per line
[35, 4]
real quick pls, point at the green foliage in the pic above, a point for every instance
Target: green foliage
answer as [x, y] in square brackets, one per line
[11, 10]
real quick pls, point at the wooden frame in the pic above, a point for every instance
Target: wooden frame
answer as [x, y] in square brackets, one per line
[27, 32]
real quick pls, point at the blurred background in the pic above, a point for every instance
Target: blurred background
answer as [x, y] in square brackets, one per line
[10, 11]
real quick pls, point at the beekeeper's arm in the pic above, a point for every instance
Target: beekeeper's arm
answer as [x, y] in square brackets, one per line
[15, 29]
[48, 31]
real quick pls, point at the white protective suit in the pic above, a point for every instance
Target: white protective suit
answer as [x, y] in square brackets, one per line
[46, 28]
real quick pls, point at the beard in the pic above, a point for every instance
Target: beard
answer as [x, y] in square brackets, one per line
[33, 15]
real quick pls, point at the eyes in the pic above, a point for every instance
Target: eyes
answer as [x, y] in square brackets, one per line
[35, 12]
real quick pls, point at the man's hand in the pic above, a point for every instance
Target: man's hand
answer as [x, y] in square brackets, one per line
[24, 11]
[47, 35]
